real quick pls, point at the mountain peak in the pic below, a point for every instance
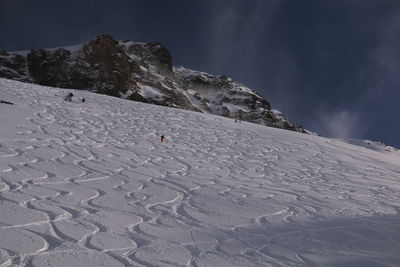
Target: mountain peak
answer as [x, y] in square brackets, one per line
[141, 72]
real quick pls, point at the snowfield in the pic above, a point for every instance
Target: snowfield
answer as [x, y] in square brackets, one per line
[90, 184]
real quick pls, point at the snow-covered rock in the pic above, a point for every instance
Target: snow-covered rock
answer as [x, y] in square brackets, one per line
[142, 72]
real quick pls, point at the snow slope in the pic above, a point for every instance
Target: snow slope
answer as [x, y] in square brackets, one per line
[90, 184]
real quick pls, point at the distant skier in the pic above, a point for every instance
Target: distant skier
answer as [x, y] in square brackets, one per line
[162, 138]
[83, 100]
[68, 97]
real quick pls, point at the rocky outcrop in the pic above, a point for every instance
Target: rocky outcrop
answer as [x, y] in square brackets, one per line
[141, 72]
[13, 66]
[50, 68]
[6, 102]
[111, 65]
[150, 54]
[101, 66]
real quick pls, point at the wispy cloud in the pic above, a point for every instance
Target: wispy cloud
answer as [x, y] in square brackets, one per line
[238, 32]
[341, 124]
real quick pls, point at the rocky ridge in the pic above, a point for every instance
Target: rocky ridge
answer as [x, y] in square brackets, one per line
[141, 72]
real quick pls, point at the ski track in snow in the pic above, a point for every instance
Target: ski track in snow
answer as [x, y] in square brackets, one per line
[90, 184]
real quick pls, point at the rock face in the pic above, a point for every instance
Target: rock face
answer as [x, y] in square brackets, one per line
[101, 65]
[49, 67]
[141, 72]
[13, 66]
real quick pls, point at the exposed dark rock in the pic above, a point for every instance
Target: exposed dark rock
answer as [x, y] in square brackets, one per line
[138, 97]
[152, 53]
[50, 68]
[111, 64]
[160, 56]
[6, 102]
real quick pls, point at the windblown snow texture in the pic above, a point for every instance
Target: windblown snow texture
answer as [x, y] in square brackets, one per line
[90, 184]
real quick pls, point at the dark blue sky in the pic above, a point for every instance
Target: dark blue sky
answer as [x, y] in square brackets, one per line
[332, 66]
